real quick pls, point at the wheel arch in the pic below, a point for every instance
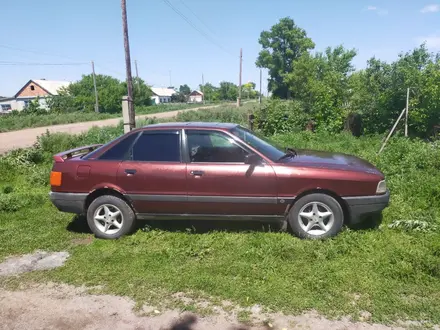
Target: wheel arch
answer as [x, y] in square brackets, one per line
[328, 192]
[94, 194]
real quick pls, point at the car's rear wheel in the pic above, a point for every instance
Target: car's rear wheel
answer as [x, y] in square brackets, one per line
[316, 216]
[110, 217]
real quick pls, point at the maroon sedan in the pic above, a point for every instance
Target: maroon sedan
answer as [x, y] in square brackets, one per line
[213, 171]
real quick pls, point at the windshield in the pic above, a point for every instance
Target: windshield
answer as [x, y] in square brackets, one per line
[258, 143]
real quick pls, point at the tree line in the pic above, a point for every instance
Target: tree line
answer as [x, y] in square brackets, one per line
[325, 88]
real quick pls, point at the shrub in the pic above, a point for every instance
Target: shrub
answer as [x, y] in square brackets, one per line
[277, 117]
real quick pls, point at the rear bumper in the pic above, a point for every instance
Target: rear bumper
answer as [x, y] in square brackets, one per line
[68, 202]
[363, 206]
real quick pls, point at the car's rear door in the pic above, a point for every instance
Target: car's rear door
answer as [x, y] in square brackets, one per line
[154, 175]
[219, 181]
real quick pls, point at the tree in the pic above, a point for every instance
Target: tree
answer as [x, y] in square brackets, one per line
[321, 83]
[210, 92]
[249, 91]
[282, 46]
[185, 90]
[179, 98]
[79, 96]
[228, 91]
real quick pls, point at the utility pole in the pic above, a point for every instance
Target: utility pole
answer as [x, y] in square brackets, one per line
[203, 88]
[137, 76]
[406, 112]
[171, 85]
[96, 90]
[261, 82]
[131, 114]
[239, 79]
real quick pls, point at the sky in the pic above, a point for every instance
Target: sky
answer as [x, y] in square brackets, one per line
[206, 40]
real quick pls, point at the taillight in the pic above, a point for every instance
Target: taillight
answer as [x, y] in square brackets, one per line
[55, 178]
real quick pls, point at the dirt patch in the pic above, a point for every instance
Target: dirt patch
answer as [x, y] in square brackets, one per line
[66, 307]
[39, 260]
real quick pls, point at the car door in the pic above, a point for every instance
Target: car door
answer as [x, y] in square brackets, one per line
[154, 175]
[220, 183]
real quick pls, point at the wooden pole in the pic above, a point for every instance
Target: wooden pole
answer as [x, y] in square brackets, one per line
[128, 65]
[96, 90]
[406, 112]
[392, 130]
[239, 78]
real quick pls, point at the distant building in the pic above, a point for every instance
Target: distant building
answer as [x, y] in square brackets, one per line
[32, 90]
[162, 95]
[196, 97]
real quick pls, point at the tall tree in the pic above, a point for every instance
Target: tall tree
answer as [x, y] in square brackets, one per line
[185, 90]
[282, 45]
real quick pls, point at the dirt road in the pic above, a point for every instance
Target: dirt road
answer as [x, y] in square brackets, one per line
[27, 137]
[65, 307]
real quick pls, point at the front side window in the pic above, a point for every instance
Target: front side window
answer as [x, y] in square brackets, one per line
[213, 147]
[157, 147]
[267, 149]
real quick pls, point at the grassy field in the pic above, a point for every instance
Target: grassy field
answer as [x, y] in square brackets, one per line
[391, 271]
[18, 122]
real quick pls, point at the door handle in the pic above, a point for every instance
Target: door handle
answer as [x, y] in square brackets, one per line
[197, 173]
[130, 172]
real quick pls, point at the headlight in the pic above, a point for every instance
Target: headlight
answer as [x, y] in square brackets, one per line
[381, 187]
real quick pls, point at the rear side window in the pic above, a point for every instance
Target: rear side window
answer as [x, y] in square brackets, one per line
[157, 147]
[120, 150]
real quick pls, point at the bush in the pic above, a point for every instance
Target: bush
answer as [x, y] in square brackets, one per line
[277, 117]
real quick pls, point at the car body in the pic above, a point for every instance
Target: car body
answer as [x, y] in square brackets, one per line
[213, 171]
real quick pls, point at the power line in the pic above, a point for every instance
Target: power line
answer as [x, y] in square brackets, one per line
[33, 51]
[198, 17]
[186, 19]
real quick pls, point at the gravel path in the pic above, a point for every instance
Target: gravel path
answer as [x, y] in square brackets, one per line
[27, 137]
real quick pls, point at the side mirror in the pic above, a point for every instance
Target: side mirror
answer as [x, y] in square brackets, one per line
[252, 159]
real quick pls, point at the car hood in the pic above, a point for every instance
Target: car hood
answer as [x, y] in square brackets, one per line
[322, 159]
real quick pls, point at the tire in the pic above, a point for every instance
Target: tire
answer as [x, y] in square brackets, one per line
[110, 217]
[321, 217]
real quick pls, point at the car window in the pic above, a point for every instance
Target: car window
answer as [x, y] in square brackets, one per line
[120, 150]
[267, 149]
[157, 147]
[213, 147]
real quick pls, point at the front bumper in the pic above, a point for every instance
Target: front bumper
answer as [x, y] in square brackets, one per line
[363, 206]
[68, 202]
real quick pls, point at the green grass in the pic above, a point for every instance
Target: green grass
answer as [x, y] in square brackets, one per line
[392, 273]
[22, 121]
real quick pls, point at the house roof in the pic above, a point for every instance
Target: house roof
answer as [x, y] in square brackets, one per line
[160, 91]
[52, 86]
[196, 92]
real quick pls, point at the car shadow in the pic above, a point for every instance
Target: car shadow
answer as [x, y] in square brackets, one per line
[368, 223]
[79, 225]
[187, 322]
[206, 226]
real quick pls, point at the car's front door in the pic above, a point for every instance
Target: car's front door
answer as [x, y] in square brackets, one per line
[221, 183]
[154, 176]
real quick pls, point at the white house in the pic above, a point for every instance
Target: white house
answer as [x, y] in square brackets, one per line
[35, 88]
[162, 95]
[196, 97]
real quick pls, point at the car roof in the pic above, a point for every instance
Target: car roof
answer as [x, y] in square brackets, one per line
[193, 124]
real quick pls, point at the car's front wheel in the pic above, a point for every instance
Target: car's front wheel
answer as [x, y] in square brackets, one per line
[110, 217]
[316, 216]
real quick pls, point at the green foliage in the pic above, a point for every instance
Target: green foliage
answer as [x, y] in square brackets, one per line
[228, 114]
[80, 95]
[282, 46]
[276, 117]
[185, 90]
